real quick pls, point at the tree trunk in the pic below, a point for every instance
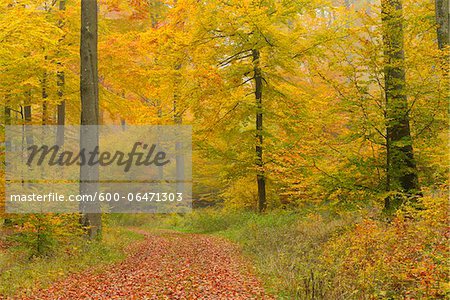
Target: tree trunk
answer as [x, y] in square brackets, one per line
[260, 177]
[44, 97]
[7, 112]
[178, 120]
[91, 217]
[443, 20]
[160, 115]
[28, 118]
[401, 166]
[61, 120]
[7, 221]
[61, 108]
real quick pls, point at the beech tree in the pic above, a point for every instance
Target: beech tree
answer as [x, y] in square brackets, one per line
[61, 107]
[443, 20]
[401, 166]
[260, 178]
[91, 217]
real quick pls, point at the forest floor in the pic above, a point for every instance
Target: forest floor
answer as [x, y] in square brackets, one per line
[167, 265]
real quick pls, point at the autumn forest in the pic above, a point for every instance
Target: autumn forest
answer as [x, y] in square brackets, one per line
[319, 150]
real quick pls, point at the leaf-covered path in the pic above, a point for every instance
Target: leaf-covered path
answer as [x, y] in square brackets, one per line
[167, 265]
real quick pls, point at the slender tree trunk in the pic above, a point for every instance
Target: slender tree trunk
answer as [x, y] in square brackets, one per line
[7, 112]
[28, 128]
[61, 81]
[260, 177]
[443, 34]
[154, 18]
[178, 120]
[401, 166]
[160, 114]
[91, 217]
[28, 118]
[7, 221]
[61, 120]
[443, 22]
[44, 98]
[27, 113]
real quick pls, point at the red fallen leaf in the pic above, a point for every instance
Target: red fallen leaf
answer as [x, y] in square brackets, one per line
[167, 266]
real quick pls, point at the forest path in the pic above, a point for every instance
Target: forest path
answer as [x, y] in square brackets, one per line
[167, 265]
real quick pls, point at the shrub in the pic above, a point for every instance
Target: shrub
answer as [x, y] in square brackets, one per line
[404, 259]
[42, 233]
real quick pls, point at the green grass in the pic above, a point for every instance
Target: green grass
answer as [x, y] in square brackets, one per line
[20, 273]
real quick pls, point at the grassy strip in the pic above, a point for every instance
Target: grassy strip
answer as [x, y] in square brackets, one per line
[21, 274]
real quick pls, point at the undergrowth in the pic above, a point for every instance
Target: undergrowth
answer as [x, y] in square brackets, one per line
[329, 254]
